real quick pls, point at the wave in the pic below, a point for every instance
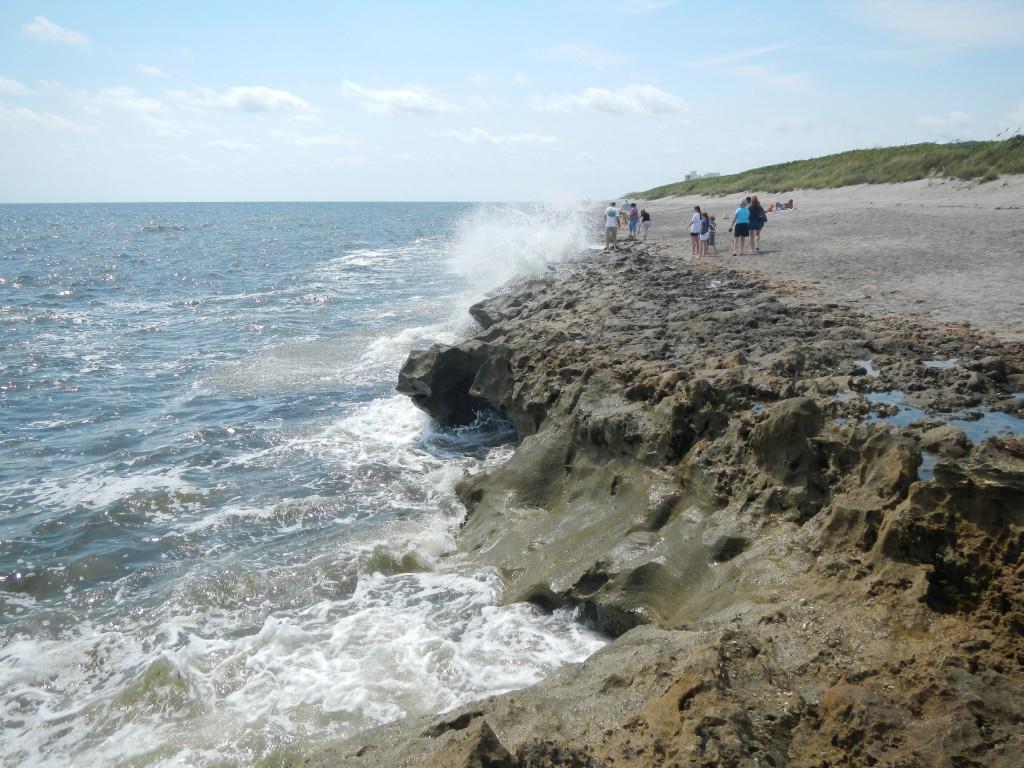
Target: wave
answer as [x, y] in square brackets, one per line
[494, 244]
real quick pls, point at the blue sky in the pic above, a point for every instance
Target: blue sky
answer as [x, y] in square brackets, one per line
[122, 101]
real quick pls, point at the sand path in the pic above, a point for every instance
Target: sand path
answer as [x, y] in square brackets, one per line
[949, 251]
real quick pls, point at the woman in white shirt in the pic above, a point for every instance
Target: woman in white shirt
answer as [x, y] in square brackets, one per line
[695, 231]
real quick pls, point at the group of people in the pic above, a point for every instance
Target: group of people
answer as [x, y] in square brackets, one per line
[702, 232]
[637, 220]
[747, 223]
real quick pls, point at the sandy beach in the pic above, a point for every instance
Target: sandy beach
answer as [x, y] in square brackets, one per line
[945, 250]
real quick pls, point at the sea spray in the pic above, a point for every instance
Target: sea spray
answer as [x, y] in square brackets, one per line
[496, 243]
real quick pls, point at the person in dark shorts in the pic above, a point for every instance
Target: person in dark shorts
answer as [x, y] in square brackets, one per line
[740, 228]
[758, 218]
[695, 231]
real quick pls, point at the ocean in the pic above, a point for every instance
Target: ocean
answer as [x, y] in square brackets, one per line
[221, 530]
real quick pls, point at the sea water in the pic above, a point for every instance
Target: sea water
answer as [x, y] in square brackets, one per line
[221, 531]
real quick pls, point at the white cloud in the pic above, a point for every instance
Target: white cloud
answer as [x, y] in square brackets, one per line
[735, 56]
[347, 160]
[769, 77]
[950, 23]
[586, 55]
[649, 5]
[44, 30]
[247, 98]
[299, 140]
[943, 124]
[14, 116]
[630, 100]
[520, 79]
[791, 125]
[409, 100]
[152, 71]
[149, 110]
[156, 148]
[480, 136]
[10, 87]
[233, 146]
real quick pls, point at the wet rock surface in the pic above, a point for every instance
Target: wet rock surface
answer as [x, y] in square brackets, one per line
[728, 479]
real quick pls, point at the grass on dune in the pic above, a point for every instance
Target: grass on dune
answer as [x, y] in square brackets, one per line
[977, 160]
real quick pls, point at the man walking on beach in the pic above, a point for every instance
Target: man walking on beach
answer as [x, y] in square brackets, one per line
[611, 226]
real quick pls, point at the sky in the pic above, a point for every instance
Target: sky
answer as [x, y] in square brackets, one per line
[185, 100]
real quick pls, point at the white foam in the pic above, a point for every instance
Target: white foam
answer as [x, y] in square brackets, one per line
[495, 243]
[197, 688]
[90, 489]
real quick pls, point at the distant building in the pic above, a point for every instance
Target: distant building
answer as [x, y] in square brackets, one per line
[694, 175]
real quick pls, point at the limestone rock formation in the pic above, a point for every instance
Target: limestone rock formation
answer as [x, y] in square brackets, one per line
[710, 474]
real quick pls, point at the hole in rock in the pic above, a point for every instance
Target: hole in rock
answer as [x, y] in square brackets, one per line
[729, 547]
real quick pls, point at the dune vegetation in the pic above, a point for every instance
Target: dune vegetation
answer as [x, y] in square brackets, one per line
[967, 160]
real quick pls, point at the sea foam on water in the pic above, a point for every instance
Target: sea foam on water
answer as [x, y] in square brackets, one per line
[263, 564]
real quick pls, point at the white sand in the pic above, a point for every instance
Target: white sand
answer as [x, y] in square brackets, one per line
[949, 251]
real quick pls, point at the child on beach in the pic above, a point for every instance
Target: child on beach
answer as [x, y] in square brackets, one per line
[645, 222]
[634, 220]
[705, 234]
[711, 238]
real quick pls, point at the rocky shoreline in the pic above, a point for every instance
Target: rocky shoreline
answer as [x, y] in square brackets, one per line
[803, 526]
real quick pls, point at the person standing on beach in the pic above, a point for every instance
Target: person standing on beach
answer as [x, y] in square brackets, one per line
[611, 226]
[634, 220]
[645, 222]
[695, 231]
[740, 228]
[705, 234]
[711, 238]
[758, 218]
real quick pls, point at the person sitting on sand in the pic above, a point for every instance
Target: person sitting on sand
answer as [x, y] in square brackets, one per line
[740, 227]
[789, 204]
[645, 222]
[611, 226]
[634, 220]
